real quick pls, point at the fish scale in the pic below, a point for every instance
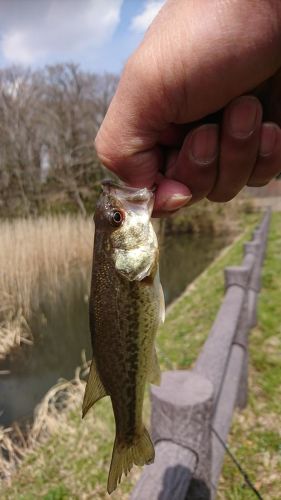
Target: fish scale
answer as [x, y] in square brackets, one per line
[126, 307]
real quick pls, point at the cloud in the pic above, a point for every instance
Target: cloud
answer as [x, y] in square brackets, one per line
[141, 22]
[15, 48]
[55, 28]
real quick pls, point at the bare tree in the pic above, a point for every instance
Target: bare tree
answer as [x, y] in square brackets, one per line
[48, 120]
[20, 136]
[74, 109]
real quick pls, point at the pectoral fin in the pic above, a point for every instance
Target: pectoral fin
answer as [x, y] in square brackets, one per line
[94, 389]
[154, 375]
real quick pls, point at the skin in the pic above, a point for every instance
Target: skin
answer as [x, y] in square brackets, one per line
[197, 110]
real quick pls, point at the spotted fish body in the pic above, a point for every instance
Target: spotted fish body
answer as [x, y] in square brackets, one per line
[126, 307]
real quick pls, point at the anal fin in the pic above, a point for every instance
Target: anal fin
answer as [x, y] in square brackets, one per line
[94, 389]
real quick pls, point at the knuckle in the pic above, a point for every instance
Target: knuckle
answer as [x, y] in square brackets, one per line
[258, 182]
[104, 152]
[221, 197]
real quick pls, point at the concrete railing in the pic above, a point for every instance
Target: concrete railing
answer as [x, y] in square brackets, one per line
[192, 408]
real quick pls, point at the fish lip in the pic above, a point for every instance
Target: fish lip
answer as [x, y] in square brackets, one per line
[126, 192]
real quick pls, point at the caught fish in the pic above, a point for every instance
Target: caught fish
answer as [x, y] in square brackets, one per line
[126, 307]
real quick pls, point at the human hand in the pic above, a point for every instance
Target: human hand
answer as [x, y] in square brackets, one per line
[179, 118]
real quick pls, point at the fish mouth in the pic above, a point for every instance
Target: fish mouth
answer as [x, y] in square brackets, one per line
[128, 193]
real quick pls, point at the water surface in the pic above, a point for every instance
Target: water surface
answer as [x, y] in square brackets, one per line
[61, 329]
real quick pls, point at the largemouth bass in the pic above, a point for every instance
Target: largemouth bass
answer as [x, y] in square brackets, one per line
[126, 307]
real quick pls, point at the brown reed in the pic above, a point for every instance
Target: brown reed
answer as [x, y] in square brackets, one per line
[37, 257]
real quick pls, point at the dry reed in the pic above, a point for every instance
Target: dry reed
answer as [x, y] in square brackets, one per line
[37, 257]
[50, 415]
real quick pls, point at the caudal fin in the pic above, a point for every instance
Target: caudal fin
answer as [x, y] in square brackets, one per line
[123, 457]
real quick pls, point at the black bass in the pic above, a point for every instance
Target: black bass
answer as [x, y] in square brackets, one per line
[126, 307]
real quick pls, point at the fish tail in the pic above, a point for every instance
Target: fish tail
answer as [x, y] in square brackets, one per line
[141, 452]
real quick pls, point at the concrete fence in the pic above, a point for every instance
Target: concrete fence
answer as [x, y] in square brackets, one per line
[192, 408]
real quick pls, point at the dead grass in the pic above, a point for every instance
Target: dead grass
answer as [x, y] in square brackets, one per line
[37, 256]
[50, 416]
[70, 452]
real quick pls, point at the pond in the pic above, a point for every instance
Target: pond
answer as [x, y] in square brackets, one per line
[62, 334]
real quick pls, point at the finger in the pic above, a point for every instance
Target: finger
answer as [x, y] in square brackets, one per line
[240, 136]
[196, 163]
[174, 135]
[170, 196]
[268, 164]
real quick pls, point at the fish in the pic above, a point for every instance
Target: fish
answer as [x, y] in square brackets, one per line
[126, 308]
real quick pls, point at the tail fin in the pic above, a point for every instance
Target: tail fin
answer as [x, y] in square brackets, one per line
[123, 457]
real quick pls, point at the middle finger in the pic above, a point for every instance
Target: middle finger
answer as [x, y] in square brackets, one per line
[239, 143]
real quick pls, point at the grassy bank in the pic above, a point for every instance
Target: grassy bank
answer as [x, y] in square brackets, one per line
[256, 436]
[37, 257]
[73, 463]
[207, 217]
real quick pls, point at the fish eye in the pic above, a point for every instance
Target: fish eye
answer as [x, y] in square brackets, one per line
[117, 217]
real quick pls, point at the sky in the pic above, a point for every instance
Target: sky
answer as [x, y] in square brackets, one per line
[99, 35]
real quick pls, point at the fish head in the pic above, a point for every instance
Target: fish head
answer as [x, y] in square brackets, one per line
[122, 221]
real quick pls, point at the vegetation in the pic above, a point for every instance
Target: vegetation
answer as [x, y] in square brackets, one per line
[49, 119]
[207, 217]
[73, 462]
[38, 257]
[48, 164]
[255, 437]
[48, 167]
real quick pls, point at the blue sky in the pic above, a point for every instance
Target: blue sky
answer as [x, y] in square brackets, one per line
[97, 34]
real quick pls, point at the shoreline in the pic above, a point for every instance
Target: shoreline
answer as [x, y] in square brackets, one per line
[44, 249]
[49, 416]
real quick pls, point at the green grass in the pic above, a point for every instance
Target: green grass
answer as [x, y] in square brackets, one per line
[73, 463]
[256, 436]
[190, 319]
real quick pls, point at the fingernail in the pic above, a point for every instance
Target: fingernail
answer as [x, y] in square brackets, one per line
[175, 201]
[268, 139]
[204, 144]
[243, 117]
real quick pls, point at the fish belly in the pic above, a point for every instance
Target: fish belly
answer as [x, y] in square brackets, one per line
[123, 347]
